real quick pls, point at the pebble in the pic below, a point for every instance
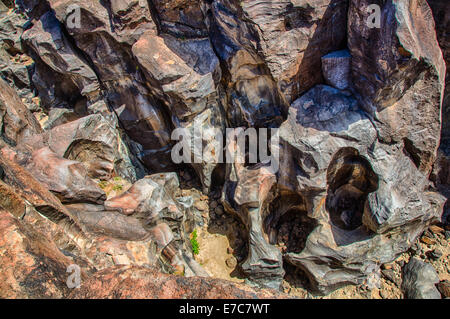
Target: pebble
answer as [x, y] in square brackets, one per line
[427, 240]
[200, 205]
[434, 254]
[436, 229]
[231, 262]
[213, 204]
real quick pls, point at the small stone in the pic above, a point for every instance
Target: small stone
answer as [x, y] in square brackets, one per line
[231, 262]
[213, 204]
[415, 249]
[386, 266]
[419, 280]
[447, 234]
[436, 229]
[219, 211]
[336, 68]
[390, 275]
[427, 240]
[444, 288]
[200, 205]
[434, 254]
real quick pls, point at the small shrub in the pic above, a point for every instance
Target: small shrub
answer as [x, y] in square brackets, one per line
[117, 187]
[102, 184]
[194, 243]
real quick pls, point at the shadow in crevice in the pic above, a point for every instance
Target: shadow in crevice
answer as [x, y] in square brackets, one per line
[288, 224]
[333, 20]
[350, 179]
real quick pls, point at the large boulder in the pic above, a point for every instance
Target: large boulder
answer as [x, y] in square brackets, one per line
[294, 35]
[67, 179]
[245, 194]
[187, 74]
[33, 267]
[368, 201]
[252, 97]
[91, 140]
[399, 74]
[16, 121]
[30, 189]
[51, 47]
[146, 283]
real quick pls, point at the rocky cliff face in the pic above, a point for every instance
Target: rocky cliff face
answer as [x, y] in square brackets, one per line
[92, 92]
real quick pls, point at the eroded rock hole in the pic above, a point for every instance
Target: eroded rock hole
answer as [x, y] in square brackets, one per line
[288, 224]
[350, 179]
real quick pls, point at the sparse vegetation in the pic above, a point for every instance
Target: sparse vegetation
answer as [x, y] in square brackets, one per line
[102, 184]
[194, 243]
[117, 187]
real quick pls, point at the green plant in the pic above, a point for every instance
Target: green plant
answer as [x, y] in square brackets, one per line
[117, 179]
[117, 187]
[194, 243]
[102, 184]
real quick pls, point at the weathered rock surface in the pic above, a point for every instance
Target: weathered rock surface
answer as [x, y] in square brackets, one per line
[419, 280]
[148, 196]
[32, 266]
[91, 140]
[441, 14]
[145, 283]
[336, 68]
[293, 36]
[26, 185]
[359, 111]
[244, 195]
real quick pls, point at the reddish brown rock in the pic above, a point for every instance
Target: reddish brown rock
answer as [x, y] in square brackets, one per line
[444, 288]
[94, 219]
[31, 189]
[67, 179]
[11, 200]
[147, 283]
[92, 140]
[147, 196]
[32, 266]
[16, 121]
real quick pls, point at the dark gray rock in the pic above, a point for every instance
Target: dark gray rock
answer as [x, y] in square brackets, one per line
[336, 69]
[419, 280]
